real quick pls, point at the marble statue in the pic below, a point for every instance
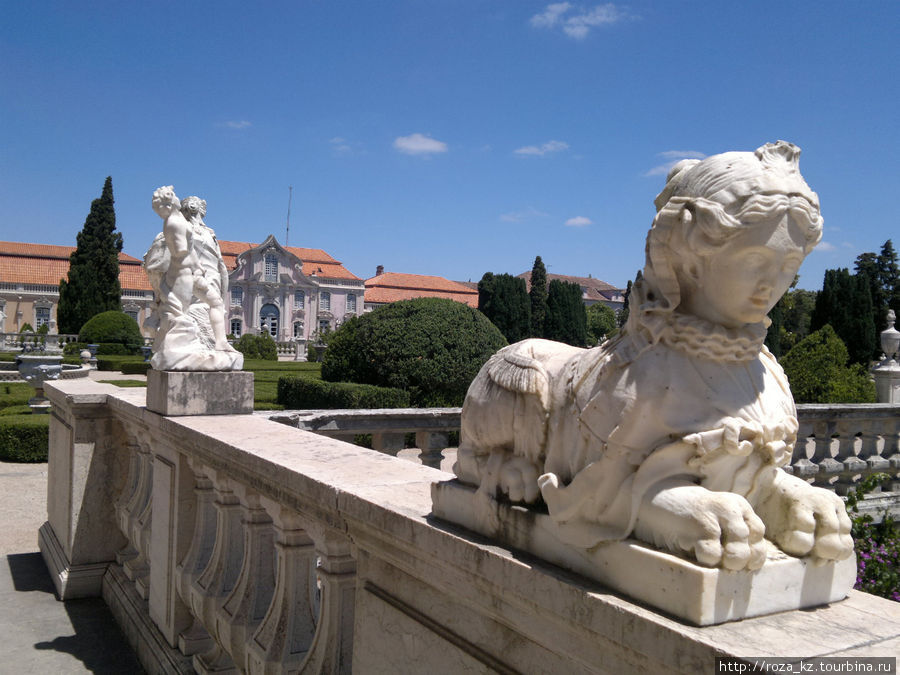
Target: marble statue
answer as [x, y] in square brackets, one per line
[675, 431]
[189, 280]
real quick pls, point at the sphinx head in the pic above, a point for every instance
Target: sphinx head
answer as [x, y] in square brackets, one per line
[729, 236]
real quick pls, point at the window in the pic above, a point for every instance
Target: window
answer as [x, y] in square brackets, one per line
[299, 299]
[298, 329]
[237, 295]
[236, 327]
[42, 316]
[133, 313]
[324, 326]
[351, 302]
[271, 268]
[325, 301]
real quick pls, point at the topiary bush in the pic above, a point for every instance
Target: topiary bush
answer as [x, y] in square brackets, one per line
[257, 347]
[818, 372]
[429, 347]
[24, 438]
[304, 393]
[112, 327]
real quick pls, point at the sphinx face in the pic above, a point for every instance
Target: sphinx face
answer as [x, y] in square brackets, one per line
[741, 282]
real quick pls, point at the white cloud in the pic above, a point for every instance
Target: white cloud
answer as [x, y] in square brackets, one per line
[577, 22]
[541, 150]
[579, 221]
[824, 247]
[340, 146]
[674, 156]
[525, 214]
[419, 144]
[236, 124]
[551, 15]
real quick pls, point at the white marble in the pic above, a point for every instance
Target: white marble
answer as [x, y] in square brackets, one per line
[673, 432]
[189, 280]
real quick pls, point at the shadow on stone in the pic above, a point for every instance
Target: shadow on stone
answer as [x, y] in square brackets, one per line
[29, 573]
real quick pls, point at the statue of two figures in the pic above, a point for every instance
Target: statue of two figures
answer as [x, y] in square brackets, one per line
[190, 282]
[675, 431]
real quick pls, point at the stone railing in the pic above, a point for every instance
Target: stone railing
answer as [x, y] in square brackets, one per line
[19, 341]
[841, 446]
[291, 349]
[235, 543]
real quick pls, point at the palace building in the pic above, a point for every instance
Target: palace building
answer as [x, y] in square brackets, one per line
[292, 293]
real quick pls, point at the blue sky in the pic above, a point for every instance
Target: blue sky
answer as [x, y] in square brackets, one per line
[447, 137]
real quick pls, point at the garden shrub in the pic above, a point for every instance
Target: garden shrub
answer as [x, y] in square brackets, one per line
[257, 347]
[113, 349]
[112, 326]
[134, 367]
[24, 438]
[74, 348]
[429, 347]
[15, 393]
[818, 371]
[303, 393]
[877, 545]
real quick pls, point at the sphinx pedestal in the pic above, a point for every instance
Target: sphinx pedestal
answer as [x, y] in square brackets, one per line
[173, 393]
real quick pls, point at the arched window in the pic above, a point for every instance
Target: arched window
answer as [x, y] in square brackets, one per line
[268, 319]
[236, 327]
[299, 299]
[271, 270]
[325, 301]
[351, 302]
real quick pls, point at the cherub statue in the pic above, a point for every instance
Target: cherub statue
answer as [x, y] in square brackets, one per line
[187, 273]
[675, 431]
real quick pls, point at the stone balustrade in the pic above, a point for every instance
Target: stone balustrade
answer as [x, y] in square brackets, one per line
[234, 543]
[840, 445]
[291, 350]
[23, 341]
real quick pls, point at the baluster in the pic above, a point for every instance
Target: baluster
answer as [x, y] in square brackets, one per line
[332, 646]
[196, 639]
[828, 468]
[210, 590]
[853, 466]
[891, 452]
[868, 450]
[137, 567]
[284, 636]
[246, 607]
[388, 442]
[431, 445]
[800, 465]
[126, 504]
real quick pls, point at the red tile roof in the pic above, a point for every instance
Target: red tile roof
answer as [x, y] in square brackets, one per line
[594, 289]
[394, 286]
[14, 248]
[316, 262]
[46, 264]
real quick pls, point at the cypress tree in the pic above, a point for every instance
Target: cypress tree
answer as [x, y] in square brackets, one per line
[93, 283]
[889, 280]
[845, 303]
[504, 300]
[566, 319]
[773, 333]
[538, 295]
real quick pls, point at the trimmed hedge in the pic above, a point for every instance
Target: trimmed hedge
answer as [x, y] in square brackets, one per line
[24, 438]
[299, 393]
[112, 326]
[260, 346]
[134, 367]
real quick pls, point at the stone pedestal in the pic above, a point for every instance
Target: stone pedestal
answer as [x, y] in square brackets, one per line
[702, 596]
[887, 381]
[173, 393]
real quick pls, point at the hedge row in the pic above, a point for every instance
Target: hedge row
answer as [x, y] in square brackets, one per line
[301, 393]
[134, 367]
[24, 438]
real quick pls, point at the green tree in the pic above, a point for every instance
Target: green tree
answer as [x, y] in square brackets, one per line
[775, 329]
[889, 278]
[601, 323]
[818, 371]
[622, 315]
[504, 299]
[112, 327]
[538, 294]
[93, 280]
[796, 311]
[566, 317]
[845, 303]
[430, 347]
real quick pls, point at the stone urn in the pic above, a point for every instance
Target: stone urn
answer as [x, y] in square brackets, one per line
[320, 348]
[37, 369]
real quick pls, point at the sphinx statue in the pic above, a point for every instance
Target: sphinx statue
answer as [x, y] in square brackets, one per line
[674, 432]
[189, 280]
